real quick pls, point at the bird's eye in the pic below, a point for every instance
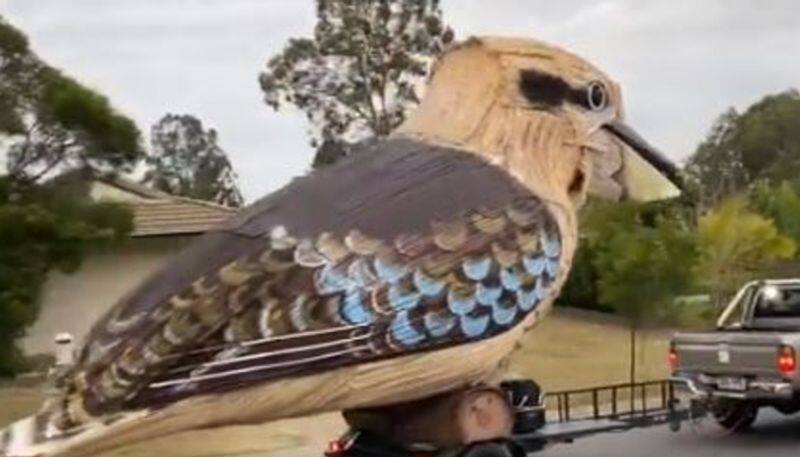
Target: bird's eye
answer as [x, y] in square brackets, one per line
[596, 96]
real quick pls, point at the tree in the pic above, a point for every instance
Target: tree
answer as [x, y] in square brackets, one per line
[763, 143]
[50, 121]
[643, 258]
[40, 230]
[580, 290]
[781, 204]
[14, 55]
[716, 167]
[768, 138]
[359, 74]
[735, 243]
[186, 160]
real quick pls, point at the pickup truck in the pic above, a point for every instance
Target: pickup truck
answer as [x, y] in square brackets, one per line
[750, 360]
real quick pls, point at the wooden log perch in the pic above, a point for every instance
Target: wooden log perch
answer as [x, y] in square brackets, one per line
[453, 419]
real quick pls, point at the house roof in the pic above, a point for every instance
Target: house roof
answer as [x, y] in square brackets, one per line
[155, 213]
[176, 216]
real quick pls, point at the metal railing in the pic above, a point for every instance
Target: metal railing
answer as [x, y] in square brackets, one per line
[616, 401]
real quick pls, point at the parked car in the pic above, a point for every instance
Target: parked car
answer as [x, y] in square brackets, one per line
[750, 360]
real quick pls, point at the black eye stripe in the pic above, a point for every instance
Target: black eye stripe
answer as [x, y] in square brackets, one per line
[550, 91]
[543, 88]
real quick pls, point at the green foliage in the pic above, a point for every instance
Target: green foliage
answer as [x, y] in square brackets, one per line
[41, 231]
[359, 74]
[736, 243]
[186, 160]
[14, 54]
[641, 256]
[48, 122]
[763, 143]
[755, 154]
[643, 261]
[107, 135]
[580, 290]
[634, 260]
[716, 169]
[769, 139]
[780, 203]
[12, 41]
[51, 121]
[601, 224]
[737, 240]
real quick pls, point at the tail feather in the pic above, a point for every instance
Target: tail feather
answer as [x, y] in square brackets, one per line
[38, 436]
[18, 440]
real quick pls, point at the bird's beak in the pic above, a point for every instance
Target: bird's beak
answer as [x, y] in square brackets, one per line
[630, 168]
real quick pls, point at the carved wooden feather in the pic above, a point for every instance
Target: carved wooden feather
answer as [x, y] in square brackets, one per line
[411, 247]
[409, 269]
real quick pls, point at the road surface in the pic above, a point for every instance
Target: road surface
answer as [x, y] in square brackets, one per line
[773, 435]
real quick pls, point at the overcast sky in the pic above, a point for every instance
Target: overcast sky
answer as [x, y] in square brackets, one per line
[680, 62]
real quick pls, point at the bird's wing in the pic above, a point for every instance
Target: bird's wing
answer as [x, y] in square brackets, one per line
[407, 248]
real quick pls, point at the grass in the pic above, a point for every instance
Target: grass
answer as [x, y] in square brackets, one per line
[570, 349]
[18, 402]
[573, 349]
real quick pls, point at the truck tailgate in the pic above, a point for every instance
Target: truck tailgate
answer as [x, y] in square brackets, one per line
[730, 353]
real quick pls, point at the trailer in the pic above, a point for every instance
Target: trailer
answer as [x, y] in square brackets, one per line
[543, 420]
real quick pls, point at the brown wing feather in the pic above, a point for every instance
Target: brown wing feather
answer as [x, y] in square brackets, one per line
[300, 328]
[254, 287]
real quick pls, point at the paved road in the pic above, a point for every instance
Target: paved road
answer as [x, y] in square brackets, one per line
[773, 435]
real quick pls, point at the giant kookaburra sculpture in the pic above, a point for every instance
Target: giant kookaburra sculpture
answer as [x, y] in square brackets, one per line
[410, 269]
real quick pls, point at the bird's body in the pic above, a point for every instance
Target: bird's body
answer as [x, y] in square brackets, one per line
[410, 269]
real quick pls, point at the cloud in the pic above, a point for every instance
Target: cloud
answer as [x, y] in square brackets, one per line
[201, 57]
[680, 63]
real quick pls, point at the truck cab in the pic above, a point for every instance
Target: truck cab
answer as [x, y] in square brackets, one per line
[750, 360]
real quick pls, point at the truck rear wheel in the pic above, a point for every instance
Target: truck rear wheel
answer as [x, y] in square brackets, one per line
[734, 415]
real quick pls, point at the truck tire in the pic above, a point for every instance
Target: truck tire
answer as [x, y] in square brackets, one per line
[787, 408]
[733, 415]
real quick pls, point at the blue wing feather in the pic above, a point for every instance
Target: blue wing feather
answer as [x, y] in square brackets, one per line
[477, 269]
[355, 310]
[487, 295]
[460, 305]
[404, 332]
[427, 285]
[439, 324]
[474, 327]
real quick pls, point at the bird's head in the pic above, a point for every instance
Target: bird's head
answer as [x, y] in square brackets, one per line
[549, 117]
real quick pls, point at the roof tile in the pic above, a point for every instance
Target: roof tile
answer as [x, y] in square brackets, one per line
[176, 216]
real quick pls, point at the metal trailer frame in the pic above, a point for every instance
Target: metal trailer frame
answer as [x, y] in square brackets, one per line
[630, 406]
[575, 414]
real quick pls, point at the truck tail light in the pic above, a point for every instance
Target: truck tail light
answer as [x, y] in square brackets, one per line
[672, 358]
[787, 362]
[337, 448]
